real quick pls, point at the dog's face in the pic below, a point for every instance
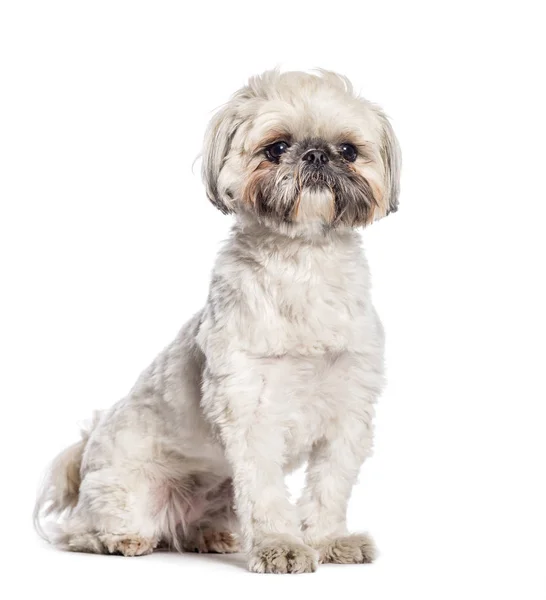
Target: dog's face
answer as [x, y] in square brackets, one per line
[298, 150]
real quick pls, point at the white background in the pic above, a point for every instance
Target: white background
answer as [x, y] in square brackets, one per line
[107, 242]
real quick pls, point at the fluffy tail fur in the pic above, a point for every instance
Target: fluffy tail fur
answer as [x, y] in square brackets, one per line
[59, 492]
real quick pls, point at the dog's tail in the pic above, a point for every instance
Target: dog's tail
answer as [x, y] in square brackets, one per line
[59, 492]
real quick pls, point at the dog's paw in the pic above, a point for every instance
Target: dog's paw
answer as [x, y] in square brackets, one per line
[350, 549]
[128, 545]
[220, 542]
[279, 555]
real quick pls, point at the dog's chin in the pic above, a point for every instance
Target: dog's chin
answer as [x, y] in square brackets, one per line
[316, 204]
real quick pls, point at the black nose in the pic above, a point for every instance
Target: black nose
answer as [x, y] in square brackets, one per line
[317, 158]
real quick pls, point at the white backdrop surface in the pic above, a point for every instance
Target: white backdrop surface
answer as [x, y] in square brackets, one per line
[107, 242]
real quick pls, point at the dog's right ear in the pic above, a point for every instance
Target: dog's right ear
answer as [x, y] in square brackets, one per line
[216, 147]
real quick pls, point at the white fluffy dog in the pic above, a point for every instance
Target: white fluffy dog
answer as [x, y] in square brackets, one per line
[283, 365]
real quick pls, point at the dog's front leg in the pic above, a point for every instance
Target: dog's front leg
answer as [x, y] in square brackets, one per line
[253, 440]
[331, 473]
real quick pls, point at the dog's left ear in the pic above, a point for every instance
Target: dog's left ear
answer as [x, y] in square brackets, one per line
[216, 147]
[391, 158]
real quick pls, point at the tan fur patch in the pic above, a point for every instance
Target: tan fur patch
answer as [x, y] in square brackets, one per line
[379, 207]
[255, 182]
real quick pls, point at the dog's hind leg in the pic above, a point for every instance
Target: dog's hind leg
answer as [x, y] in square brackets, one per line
[114, 515]
[107, 543]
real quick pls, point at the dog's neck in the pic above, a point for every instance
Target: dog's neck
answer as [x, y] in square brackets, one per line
[265, 254]
[288, 234]
[304, 295]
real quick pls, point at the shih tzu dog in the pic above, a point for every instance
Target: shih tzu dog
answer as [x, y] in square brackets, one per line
[283, 364]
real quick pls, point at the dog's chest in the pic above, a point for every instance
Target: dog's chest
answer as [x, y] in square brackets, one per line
[312, 305]
[297, 335]
[307, 398]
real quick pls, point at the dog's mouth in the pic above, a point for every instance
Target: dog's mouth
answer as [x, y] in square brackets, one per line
[316, 178]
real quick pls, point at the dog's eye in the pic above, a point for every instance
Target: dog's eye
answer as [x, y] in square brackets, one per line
[349, 152]
[275, 151]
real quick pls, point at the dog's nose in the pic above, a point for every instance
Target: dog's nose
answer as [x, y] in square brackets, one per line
[317, 158]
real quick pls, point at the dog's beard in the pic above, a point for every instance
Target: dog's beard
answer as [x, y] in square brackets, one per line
[332, 196]
[314, 203]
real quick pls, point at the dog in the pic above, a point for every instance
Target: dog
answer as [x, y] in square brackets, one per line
[282, 366]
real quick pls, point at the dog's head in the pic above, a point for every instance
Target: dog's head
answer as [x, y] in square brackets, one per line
[297, 149]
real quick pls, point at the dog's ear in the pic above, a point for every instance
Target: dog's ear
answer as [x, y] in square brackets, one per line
[216, 147]
[391, 157]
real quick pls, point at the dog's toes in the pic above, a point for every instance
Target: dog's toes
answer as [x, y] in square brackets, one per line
[350, 549]
[283, 556]
[220, 542]
[128, 545]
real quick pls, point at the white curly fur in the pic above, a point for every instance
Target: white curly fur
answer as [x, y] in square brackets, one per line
[283, 365]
